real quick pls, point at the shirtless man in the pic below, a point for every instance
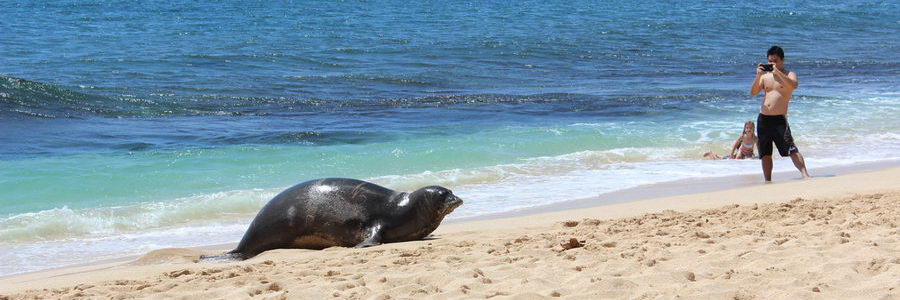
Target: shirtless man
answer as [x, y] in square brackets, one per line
[772, 125]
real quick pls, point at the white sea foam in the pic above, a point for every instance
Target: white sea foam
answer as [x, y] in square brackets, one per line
[25, 257]
[69, 224]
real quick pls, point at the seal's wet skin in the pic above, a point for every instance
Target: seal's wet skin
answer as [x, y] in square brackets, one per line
[343, 212]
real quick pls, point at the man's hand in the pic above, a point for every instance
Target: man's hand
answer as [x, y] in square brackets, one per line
[759, 70]
[778, 73]
[790, 79]
[776, 70]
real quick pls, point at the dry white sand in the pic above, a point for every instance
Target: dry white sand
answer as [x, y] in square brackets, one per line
[825, 238]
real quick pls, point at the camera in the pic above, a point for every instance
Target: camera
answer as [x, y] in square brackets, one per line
[767, 67]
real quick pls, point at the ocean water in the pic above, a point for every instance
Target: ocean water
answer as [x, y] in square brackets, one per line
[129, 126]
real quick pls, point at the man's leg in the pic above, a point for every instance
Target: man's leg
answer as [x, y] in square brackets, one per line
[786, 145]
[767, 167]
[797, 158]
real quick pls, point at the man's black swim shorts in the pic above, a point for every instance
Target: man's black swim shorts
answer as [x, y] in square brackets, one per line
[774, 129]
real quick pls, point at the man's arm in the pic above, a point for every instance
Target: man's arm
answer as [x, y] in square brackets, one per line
[790, 79]
[757, 82]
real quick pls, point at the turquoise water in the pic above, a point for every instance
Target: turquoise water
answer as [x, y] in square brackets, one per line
[126, 127]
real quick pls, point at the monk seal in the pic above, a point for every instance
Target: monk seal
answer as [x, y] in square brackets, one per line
[329, 212]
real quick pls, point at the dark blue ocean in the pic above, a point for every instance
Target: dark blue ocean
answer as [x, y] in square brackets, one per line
[131, 126]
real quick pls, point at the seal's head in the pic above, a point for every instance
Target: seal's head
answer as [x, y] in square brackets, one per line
[428, 206]
[437, 200]
[441, 199]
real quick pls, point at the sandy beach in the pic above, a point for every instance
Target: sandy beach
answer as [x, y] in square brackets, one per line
[824, 238]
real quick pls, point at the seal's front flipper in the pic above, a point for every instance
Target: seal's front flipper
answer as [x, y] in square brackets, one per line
[373, 237]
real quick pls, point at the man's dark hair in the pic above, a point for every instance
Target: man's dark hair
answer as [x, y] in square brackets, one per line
[775, 50]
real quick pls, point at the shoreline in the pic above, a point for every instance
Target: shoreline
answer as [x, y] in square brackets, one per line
[163, 260]
[817, 187]
[682, 187]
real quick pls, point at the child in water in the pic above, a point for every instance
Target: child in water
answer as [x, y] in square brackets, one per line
[743, 147]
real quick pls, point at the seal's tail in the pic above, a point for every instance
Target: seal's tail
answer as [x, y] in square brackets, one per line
[230, 256]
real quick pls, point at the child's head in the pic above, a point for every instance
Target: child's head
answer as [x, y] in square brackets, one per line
[748, 127]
